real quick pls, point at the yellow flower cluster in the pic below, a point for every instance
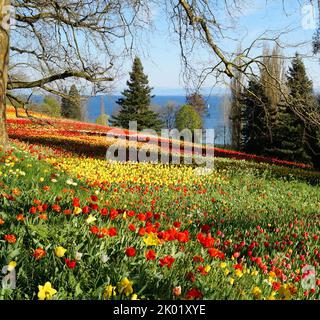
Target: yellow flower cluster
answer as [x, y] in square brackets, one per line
[137, 173]
[124, 288]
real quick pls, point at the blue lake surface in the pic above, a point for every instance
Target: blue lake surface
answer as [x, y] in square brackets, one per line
[214, 120]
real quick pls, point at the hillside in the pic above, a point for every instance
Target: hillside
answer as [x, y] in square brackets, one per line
[97, 229]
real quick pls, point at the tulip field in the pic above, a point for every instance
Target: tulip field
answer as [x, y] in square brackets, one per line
[74, 225]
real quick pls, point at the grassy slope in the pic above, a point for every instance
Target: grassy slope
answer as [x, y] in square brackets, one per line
[235, 203]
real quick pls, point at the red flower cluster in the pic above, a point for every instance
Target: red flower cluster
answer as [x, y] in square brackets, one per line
[215, 253]
[166, 261]
[103, 232]
[206, 241]
[194, 294]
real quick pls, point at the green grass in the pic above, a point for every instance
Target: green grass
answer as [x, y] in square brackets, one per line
[247, 199]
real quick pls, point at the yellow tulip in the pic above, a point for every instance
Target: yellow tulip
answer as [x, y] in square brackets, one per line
[60, 251]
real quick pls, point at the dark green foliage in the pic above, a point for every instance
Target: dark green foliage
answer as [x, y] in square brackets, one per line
[276, 129]
[291, 133]
[313, 139]
[71, 105]
[254, 117]
[316, 41]
[135, 104]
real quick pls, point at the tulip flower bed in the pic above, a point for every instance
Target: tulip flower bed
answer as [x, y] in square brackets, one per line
[81, 228]
[93, 140]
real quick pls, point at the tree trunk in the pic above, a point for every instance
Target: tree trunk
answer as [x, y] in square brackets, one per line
[4, 62]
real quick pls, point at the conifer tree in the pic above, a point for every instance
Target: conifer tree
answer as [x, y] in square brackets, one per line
[71, 105]
[313, 139]
[292, 130]
[135, 104]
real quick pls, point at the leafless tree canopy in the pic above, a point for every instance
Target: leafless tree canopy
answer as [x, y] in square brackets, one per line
[54, 40]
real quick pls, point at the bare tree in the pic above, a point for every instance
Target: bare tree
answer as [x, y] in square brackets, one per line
[316, 40]
[168, 114]
[237, 84]
[54, 41]
[272, 76]
[57, 40]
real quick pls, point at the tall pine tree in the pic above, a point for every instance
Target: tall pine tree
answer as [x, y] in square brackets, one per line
[291, 133]
[135, 105]
[71, 105]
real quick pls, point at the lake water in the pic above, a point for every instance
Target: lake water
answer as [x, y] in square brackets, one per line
[214, 120]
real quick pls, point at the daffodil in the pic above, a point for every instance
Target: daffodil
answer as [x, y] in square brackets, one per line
[125, 287]
[238, 273]
[151, 240]
[46, 292]
[256, 291]
[91, 219]
[223, 265]
[254, 273]
[231, 281]
[207, 268]
[60, 251]
[109, 292]
[272, 296]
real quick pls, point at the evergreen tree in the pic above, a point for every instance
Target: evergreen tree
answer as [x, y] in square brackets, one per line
[292, 130]
[313, 139]
[135, 105]
[71, 105]
[254, 128]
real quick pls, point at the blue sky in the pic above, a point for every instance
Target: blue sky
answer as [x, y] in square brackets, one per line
[161, 62]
